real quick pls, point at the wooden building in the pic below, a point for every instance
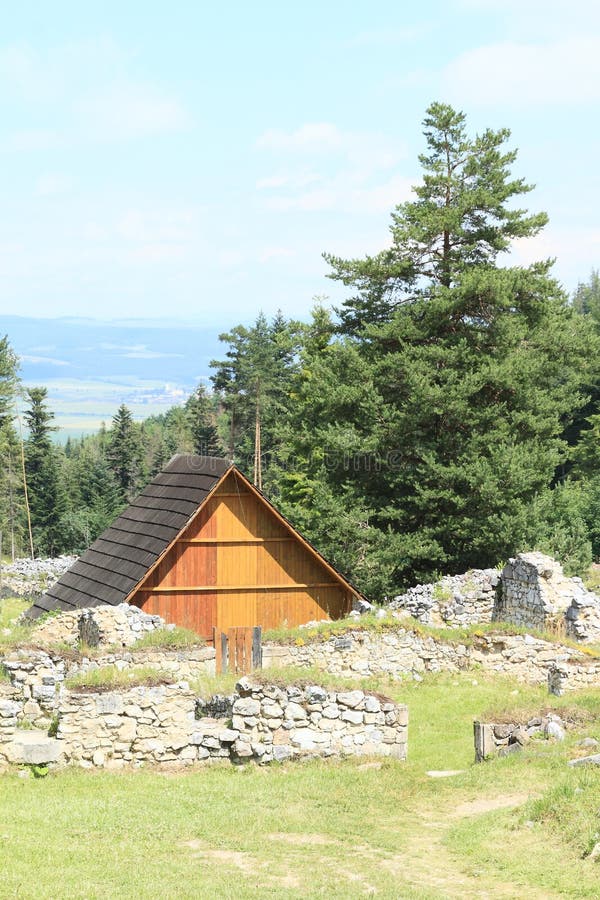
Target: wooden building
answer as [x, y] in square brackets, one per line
[203, 548]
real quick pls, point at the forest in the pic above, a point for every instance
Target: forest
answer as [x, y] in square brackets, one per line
[445, 416]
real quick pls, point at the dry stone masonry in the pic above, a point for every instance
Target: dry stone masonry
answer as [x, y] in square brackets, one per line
[167, 725]
[31, 577]
[454, 601]
[536, 593]
[37, 676]
[402, 653]
[500, 739]
[119, 626]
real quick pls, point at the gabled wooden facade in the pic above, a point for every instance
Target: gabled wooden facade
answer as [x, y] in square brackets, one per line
[239, 563]
[204, 549]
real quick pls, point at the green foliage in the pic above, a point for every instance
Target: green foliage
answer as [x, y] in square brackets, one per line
[47, 500]
[428, 433]
[124, 453]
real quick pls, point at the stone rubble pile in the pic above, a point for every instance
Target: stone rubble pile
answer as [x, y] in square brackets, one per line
[31, 577]
[493, 739]
[454, 601]
[119, 626]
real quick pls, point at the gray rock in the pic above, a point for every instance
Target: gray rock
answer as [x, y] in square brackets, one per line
[593, 760]
[554, 730]
[351, 699]
[246, 706]
[32, 748]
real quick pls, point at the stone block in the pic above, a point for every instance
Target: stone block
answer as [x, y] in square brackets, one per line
[352, 699]
[33, 748]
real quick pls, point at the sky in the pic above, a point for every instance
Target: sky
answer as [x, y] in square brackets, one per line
[193, 160]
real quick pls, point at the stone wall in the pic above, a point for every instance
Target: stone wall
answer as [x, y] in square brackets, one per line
[401, 653]
[37, 676]
[500, 739]
[454, 601]
[161, 725]
[536, 593]
[98, 626]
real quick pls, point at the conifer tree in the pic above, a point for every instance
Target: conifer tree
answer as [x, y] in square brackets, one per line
[433, 428]
[201, 421]
[46, 496]
[124, 453]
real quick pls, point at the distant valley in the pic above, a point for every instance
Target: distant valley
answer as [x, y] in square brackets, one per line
[90, 367]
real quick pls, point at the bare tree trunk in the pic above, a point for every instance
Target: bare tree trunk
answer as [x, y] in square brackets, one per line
[257, 451]
[25, 488]
[11, 508]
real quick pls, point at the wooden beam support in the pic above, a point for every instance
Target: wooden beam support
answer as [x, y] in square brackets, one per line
[210, 588]
[213, 541]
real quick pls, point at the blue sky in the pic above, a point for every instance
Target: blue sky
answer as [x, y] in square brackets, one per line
[192, 160]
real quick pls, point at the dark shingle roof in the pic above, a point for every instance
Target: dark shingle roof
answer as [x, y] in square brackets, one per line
[121, 556]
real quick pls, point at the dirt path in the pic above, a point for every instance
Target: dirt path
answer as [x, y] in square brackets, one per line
[427, 864]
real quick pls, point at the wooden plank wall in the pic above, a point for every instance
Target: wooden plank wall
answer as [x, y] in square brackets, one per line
[261, 574]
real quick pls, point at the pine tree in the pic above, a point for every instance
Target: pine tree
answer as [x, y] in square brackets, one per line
[201, 421]
[253, 383]
[47, 502]
[435, 426]
[124, 453]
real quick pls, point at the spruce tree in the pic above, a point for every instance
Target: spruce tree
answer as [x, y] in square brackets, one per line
[47, 503]
[124, 453]
[201, 421]
[436, 424]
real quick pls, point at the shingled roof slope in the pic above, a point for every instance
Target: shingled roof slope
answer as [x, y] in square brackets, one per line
[121, 556]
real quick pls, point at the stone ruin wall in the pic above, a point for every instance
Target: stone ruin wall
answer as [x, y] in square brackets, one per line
[98, 626]
[500, 739]
[454, 601]
[167, 725]
[531, 591]
[402, 653]
[37, 675]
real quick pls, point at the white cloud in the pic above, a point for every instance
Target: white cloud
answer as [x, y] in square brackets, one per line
[576, 249]
[349, 171]
[131, 111]
[342, 195]
[166, 226]
[288, 179]
[319, 136]
[44, 360]
[89, 92]
[32, 139]
[563, 71]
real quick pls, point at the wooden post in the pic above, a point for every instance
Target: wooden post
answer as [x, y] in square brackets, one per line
[224, 653]
[257, 647]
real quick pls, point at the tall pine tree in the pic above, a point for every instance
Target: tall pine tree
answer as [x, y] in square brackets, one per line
[435, 425]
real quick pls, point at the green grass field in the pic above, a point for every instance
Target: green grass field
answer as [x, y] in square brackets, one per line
[523, 825]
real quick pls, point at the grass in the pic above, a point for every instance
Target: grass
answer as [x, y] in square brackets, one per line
[169, 639]
[324, 829]
[467, 635]
[110, 678]
[10, 610]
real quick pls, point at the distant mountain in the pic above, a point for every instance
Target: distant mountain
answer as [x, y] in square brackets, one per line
[91, 366]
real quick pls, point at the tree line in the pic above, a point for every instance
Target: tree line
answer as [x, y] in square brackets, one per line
[445, 417]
